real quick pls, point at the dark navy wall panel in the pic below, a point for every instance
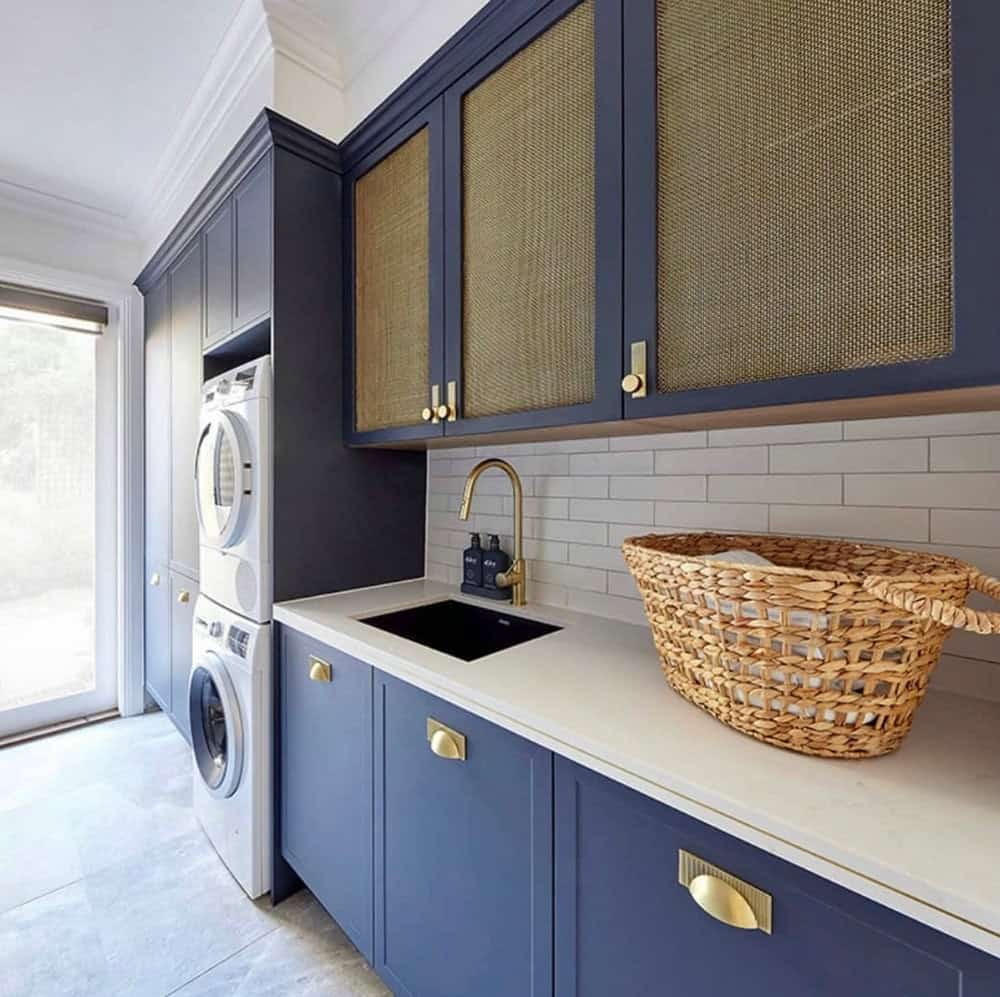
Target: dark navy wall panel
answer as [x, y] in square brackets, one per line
[463, 854]
[624, 925]
[326, 781]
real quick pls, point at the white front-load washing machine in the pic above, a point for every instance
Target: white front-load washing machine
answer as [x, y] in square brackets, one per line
[229, 706]
[233, 477]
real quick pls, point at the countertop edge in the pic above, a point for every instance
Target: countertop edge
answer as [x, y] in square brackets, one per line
[685, 798]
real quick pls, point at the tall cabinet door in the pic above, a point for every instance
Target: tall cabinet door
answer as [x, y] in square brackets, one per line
[463, 851]
[183, 596]
[252, 240]
[157, 487]
[218, 249]
[533, 234]
[394, 231]
[806, 188]
[186, 324]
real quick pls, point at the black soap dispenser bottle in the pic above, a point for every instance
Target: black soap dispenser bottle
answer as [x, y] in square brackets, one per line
[495, 562]
[472, 563]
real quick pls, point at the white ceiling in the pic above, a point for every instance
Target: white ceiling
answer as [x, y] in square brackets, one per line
[93, 91]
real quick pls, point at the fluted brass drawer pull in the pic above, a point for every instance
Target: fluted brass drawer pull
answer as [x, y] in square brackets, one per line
[723, 896]
[320, 670]
[445, 742]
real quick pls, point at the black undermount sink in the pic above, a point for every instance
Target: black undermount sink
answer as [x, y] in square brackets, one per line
[460, 629]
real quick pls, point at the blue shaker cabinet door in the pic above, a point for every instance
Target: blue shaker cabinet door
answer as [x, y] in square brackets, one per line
[625, 925]
[252, 227]
[463, 868]
[326, 779]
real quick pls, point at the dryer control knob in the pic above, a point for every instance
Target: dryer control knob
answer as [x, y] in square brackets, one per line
[215, 629]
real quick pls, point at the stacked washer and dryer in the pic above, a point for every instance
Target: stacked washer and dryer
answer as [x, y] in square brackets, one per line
[229, 691]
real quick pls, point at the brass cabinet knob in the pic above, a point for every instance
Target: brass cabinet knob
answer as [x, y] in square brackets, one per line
[183, 596]
[427, 414]
[320, 670]
[631, 383]
[445, 742]
[443, 411]
[722, 901]
[154, 579]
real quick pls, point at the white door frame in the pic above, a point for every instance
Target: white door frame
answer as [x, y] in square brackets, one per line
[125, 329]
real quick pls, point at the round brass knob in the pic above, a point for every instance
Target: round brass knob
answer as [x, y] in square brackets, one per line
[443, 411]
[631, 383]
[427, 415]
[444, 745]
[154, 578]
[183, 596]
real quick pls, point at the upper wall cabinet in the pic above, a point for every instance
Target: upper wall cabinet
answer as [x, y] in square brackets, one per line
[532, 239]
[218, 248]
[808, 200]
[394, 216]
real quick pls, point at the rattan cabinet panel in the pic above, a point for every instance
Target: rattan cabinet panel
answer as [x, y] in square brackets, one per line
[391, 287]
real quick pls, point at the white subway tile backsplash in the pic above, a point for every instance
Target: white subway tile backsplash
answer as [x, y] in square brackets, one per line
[661, 441]
[612, 510]
[942, 490]
[627, 462]
[713, 516]
[679, 487]
[853, 522]
[713, 460]
[809, 432]
[930, 482]
[861, 456]
[805, 489]
[968, 527]
[952, 424]
[966, 453]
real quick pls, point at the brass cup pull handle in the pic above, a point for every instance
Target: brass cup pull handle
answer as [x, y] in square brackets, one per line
[320, 670]
[426, 414]
[183, 596]
[723, 902]
[154, 578]
[445, 742]
[631, 383]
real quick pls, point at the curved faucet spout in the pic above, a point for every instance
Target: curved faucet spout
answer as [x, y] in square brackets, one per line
[514, 577]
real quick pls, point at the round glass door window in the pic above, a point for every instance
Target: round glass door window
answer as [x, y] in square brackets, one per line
[216, 726]
[220, 495]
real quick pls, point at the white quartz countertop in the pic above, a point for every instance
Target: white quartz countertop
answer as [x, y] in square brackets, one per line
[918, 831]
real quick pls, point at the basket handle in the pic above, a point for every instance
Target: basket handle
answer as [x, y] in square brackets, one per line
[948, 614]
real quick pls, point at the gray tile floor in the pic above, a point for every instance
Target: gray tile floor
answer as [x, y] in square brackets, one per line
[109, 887]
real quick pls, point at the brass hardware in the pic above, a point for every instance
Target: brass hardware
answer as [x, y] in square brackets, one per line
[634, 383]
[154, 578]
[183, 596]
[436, 405]
[452, 401]
[426, 414]
[320, 670]
[442, 412]
[445, 742]
[514, 577]
[723, 896]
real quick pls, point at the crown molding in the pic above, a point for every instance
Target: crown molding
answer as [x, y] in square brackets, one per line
[306, 38]
[65, 211]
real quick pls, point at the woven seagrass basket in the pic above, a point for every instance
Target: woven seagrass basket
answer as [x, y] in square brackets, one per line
[829, 654]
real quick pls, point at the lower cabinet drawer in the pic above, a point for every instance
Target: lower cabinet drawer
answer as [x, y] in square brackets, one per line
[463, 852]
[625, 924]
[326, 778]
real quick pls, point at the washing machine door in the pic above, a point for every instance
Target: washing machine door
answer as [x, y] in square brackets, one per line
[223, 479]
[216, 725]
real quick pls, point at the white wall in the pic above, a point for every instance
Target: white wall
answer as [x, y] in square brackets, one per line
[929, 482]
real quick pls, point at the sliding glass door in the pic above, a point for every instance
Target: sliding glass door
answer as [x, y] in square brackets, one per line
[57, 524]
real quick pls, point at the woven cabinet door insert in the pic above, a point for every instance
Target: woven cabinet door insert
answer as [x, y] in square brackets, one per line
[528, 320]
[392, 289]
[804, 187]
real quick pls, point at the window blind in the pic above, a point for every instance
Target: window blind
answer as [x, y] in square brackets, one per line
[29, 304]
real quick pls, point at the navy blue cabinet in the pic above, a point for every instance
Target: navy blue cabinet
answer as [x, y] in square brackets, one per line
[183, 596]
[326, 778]
[252, 246]
[813, 223]
[625, 925]
[218, 249]
[463, 852]
[394, 308]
